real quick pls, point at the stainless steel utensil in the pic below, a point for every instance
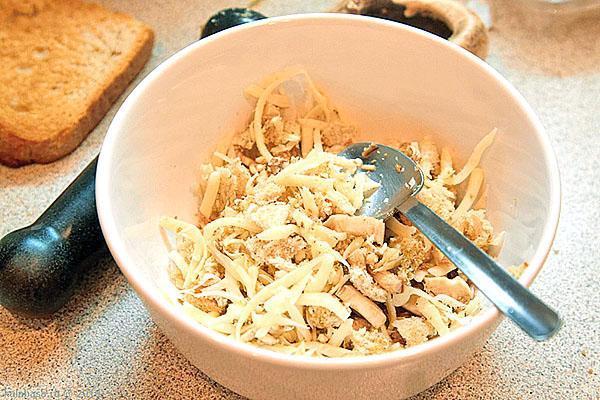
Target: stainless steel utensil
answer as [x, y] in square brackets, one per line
[401, 180]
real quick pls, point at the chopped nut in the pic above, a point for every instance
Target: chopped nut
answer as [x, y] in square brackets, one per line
[443, 268]
[371, 259]
[362, 305]
[357, 226]
[361, 279]
[206, 304]
[388, 281]
[357, 258]
[368, 150]
[361, 323]
[456, 288]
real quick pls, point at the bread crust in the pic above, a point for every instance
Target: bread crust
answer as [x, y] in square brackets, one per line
[17, 149]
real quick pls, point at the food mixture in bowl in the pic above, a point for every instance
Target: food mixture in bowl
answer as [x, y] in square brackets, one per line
[278, 257]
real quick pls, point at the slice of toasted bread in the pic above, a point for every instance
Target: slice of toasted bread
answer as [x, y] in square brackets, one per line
[62, 64]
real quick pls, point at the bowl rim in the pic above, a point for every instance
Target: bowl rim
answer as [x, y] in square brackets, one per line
[156, 300]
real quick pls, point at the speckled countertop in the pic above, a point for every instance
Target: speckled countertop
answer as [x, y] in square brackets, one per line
[104, 344]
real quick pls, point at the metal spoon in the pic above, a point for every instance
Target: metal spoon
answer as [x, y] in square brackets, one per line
[401, 179]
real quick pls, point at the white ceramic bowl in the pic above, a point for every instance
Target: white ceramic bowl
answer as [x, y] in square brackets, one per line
[387, 78]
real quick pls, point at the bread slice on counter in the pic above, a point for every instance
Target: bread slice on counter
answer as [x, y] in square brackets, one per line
[62, 65]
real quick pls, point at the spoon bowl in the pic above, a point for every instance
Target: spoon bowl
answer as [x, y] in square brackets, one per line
[399, 177]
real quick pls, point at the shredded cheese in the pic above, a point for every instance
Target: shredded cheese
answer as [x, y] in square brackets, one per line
[325, 300]
[473, 187]
[319, 281]
[473, 160]
[210, 195]
[278, 232]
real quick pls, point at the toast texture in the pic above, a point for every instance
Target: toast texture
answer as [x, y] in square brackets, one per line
[63, 63]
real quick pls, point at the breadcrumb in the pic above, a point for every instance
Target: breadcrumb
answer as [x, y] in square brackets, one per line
[319, 317]
[366, 341]
[414, 330]
[439, 199]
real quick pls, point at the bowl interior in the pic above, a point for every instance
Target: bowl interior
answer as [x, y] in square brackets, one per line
[391, 81]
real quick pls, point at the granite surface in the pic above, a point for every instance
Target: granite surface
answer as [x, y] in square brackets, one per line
[104, 344]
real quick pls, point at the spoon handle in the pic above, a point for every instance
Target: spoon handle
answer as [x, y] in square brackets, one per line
[514, 300]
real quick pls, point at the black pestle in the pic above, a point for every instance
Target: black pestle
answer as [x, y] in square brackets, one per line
[40, 264]
[228, 18]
